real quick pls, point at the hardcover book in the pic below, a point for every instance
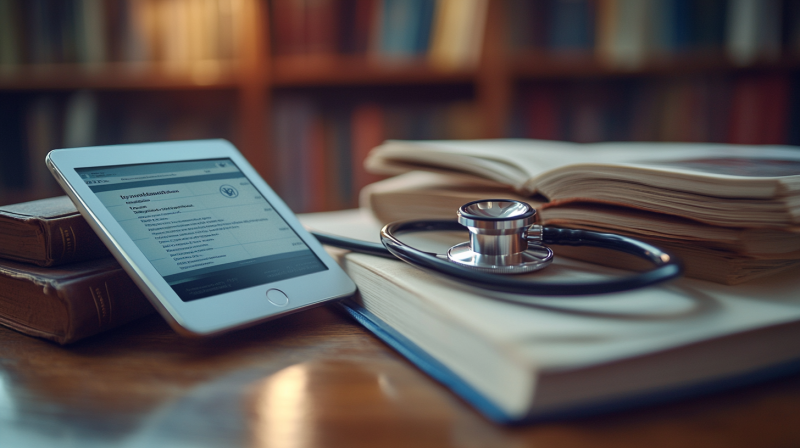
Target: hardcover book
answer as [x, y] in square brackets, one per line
[556, 357]
[68, 303]
[47, 232]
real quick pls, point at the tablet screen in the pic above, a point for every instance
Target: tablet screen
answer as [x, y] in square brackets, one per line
[205, 228]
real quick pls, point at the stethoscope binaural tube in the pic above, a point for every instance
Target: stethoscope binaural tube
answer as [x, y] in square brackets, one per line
[665, 268]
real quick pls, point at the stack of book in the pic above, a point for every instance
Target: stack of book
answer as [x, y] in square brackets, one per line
[730, 212]
[561, 357]
[57, 280]
[551, 357]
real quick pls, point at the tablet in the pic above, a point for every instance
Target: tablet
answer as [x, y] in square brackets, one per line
[197, 229]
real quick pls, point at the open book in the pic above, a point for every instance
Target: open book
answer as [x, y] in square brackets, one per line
[727, 255]
[562, 356]
[724, 185]
[689, 211]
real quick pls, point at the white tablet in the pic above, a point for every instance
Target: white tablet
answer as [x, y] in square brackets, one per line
[198, 230]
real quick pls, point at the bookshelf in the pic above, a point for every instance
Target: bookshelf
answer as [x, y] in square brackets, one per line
[270, 64]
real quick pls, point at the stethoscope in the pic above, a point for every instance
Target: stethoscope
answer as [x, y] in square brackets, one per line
[503, 239]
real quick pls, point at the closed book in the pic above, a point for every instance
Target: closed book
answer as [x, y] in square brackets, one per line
[68, 303]
[405, 28]
[572, 29]
[753, 30]
[92, 42]
[42, 124]
[622, 33]
[47, 232]
[367, 129]
[457, 35]
[10, 33]
[557, 357]
[321, 27]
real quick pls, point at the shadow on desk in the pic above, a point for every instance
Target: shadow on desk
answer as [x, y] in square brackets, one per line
[313, 379]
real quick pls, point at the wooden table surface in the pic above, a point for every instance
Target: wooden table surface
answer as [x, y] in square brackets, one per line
[315, 379]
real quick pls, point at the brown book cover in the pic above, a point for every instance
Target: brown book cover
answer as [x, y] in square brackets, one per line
[68, 303]
[47, 232]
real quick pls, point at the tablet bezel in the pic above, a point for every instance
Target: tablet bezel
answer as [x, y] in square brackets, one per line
[212, 314]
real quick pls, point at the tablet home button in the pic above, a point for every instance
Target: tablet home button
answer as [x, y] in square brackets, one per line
[277, 297]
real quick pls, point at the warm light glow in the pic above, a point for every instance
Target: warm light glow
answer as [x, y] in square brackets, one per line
[386, 386]
[282, 408]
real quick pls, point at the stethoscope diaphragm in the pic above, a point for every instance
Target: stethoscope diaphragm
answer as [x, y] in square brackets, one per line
[502, 238]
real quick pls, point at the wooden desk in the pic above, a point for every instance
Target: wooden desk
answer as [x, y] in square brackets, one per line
[314, 379]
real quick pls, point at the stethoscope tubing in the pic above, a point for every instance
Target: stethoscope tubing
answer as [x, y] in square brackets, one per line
[666, 267]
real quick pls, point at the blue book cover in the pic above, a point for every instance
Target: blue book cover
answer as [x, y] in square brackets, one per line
[427, 9]
[572, 25]
[400, 27]
[444, 375]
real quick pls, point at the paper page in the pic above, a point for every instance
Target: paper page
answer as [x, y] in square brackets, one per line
[516, 161]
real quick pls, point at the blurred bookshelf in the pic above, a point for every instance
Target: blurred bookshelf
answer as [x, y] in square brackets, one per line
[304, 88]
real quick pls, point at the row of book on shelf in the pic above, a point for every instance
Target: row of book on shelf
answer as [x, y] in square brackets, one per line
[318, 146]
[181, 33]
[744, 109]
[628, 33]
[34, 124]
[319, 149]
[93, 32]
[448, 33]
[625, 33]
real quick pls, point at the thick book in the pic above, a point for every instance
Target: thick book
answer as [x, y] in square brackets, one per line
[557, 357]
[47, 232]
[68, 303]
[723, 185]
[727, 255]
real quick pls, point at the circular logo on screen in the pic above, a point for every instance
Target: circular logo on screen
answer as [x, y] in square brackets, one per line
[228, 191]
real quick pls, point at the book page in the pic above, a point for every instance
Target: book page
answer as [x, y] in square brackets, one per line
[521, 163]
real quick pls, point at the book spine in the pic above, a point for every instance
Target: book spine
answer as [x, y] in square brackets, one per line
[100, 302]
[68, 240]
[10, 18]
[367, 132]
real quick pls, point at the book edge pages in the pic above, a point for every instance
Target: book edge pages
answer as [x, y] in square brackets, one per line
[395, 156]
[542, 412]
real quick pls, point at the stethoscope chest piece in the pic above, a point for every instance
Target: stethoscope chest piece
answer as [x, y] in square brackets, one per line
[502, 238]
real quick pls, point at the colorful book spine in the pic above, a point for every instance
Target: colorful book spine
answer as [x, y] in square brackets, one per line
[447, 33]
[93, 32]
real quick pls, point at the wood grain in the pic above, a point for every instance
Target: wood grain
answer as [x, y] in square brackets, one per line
[314, 379]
